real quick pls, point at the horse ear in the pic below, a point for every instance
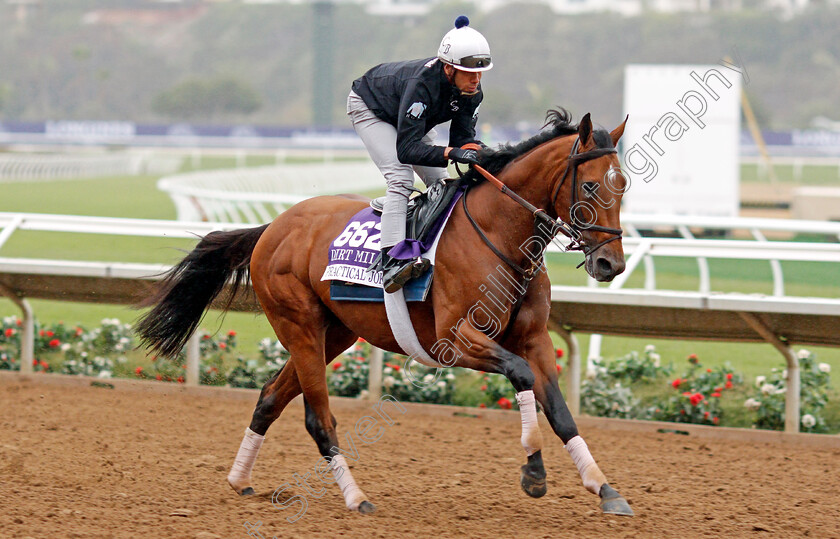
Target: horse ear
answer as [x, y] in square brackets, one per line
[616, 133]
[584, 130]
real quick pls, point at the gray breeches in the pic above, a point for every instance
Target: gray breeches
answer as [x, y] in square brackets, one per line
[380, 139]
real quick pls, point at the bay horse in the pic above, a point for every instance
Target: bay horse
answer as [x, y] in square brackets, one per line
[565, 176]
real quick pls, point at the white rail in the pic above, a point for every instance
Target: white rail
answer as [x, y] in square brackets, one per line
[257, 195]
[32, 167]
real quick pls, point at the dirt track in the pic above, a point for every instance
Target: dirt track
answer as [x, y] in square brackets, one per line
[95, 462]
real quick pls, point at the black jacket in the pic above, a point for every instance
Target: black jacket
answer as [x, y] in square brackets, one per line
[414, 97]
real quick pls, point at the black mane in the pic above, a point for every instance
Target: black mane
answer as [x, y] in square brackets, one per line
[558, 123]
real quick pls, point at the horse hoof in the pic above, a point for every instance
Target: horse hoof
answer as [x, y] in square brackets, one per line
[366, 508]
[534, 487]
[613, 503]
[247, 491]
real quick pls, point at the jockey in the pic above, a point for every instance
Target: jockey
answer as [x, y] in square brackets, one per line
[394, 108]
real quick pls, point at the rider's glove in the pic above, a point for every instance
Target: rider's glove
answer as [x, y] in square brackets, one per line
[467, 157]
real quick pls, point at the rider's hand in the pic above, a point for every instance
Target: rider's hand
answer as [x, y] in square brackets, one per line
[467, 157]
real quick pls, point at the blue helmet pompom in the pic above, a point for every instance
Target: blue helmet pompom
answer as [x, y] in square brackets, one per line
[462, 21]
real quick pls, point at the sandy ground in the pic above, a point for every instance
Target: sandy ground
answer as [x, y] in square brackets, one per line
[99, 462]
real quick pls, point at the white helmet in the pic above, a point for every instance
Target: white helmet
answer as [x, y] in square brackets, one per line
[464, 48]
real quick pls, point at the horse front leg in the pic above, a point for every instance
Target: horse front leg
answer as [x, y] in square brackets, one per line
[560, 418]
[532, 474]
[486, 355]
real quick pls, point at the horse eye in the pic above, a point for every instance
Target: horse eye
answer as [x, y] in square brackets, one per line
[590, 188]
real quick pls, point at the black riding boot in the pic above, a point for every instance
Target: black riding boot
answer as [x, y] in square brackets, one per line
[395, 272]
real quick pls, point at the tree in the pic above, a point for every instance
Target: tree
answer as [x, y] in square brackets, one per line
[207, 99]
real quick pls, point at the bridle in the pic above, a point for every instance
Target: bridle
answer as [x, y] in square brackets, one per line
[541, 217]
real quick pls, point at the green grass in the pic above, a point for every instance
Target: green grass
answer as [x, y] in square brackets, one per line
[121, 196]
[811, 175]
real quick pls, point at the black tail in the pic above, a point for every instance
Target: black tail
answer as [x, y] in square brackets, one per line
[187, 289]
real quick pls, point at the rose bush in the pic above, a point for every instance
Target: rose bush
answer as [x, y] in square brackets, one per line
[767, 402]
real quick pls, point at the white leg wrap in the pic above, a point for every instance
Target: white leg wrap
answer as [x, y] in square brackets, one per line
[240, 473]
[531, 435]
[353, 495]
[591, 475]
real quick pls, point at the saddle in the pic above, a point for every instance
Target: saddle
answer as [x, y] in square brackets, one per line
[425, 210]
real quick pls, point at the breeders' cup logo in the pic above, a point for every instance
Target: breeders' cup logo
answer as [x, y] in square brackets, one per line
[416, 110]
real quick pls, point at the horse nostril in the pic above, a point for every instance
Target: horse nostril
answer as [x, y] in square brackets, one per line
[604, 267]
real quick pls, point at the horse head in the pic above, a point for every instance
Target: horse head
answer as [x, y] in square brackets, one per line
[593, 185]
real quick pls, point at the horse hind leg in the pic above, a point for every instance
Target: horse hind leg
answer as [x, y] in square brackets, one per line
[276, 394]
[321, 424]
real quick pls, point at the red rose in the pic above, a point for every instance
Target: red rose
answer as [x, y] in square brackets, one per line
[729, 376]
[50, 334]
[504, 404]
[484, 388]
[482, 405]
[79, 331]
[728, 385]
[558, 353]
[138, 371]
[10, 332]
[361, 340]
[54, 343]
[45, 365]
[686, 393]
[34, 362]
[716, 394]
[336, 365]
[222, 345]
[205, 337]
[715, 420]
[706, 414]
[158, 378]
[696, 399]
[18, 322]
[41, 333]
[231, 333]
[682, 412]
[708, 370]
[718, 389]
[180, 379]
[676, 383]
[559, 369]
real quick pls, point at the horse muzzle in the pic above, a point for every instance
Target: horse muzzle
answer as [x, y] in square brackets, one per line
[603, 267]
